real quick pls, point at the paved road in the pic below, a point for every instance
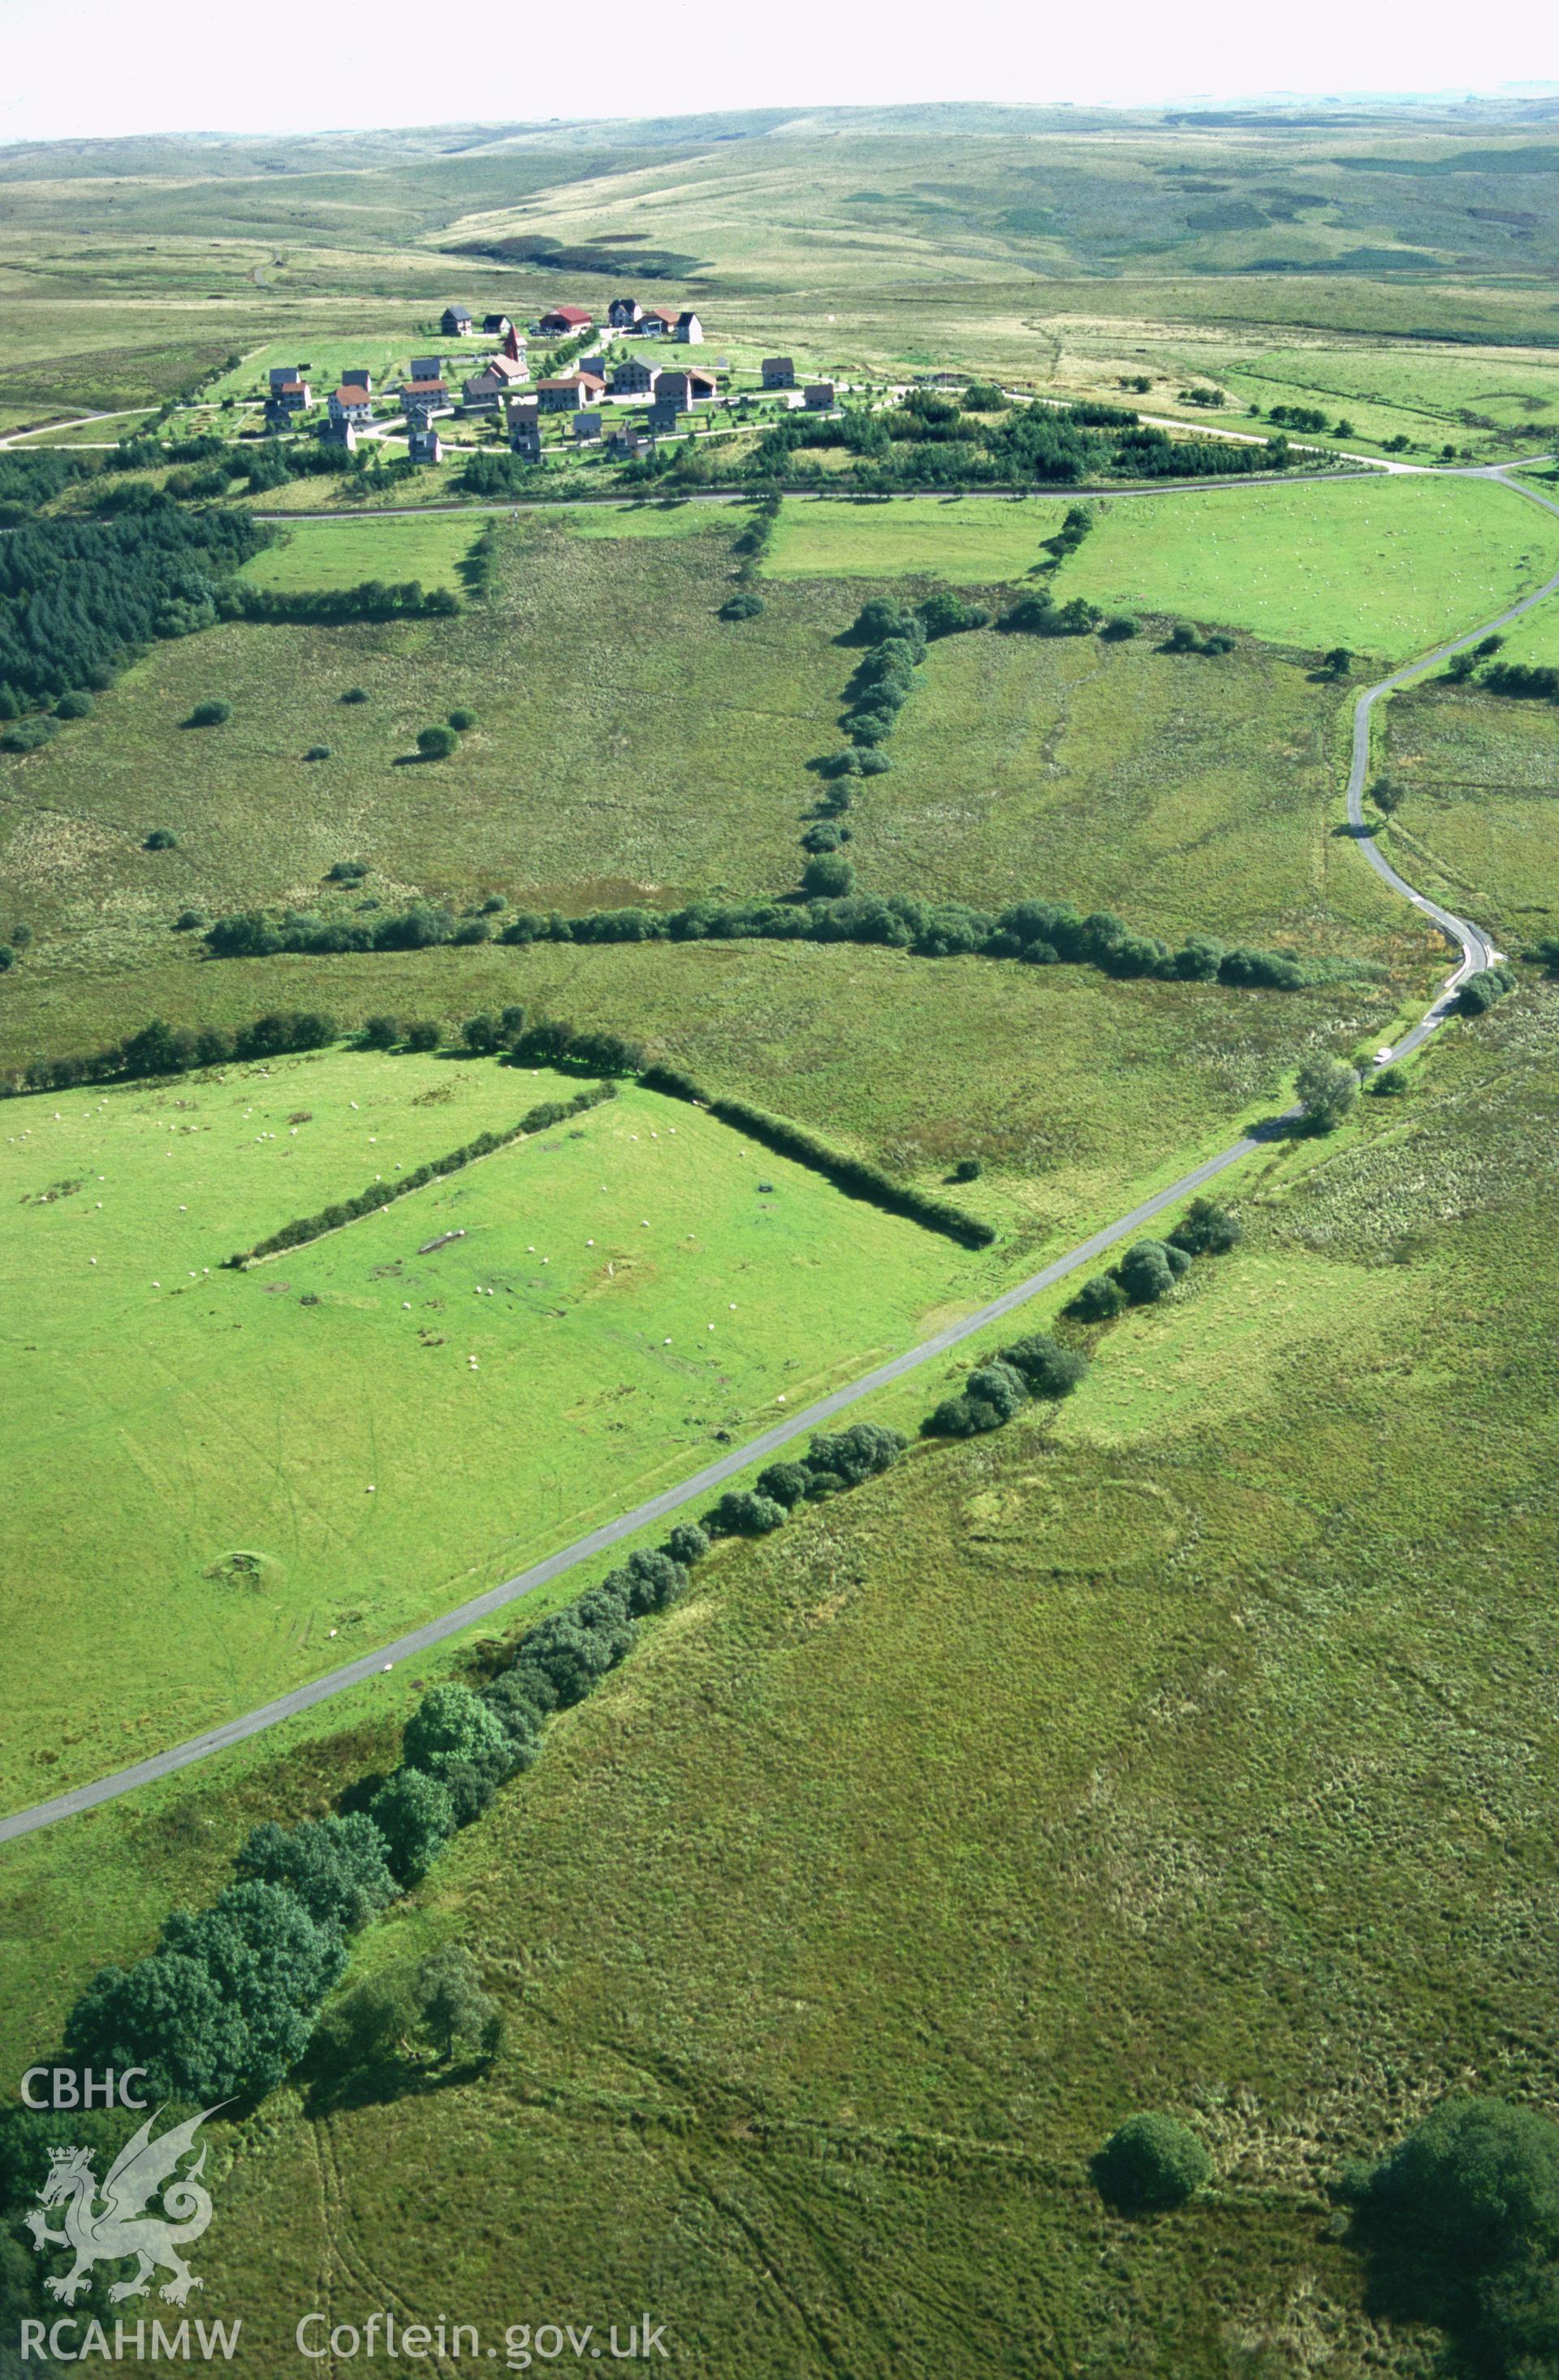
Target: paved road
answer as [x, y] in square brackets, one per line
[1477, 953]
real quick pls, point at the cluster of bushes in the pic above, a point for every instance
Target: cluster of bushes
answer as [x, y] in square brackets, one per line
[1529, 683]
[832, 1462]
[1151, 1267]
[750, 548]
[884, 679]
[78, 597]
[162, 1049]
[551, 1041]
[304, 1228]
[931, 441]
[1297, 416]
[1036, 1366]
[1042, 933]
[1480, 991]
[374, 599]
[494, 472]
[1077, 524]
[1039, 615]
[1184, 638]
[849, 1174]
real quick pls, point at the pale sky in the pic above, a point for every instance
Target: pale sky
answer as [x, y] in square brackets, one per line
[92, 68]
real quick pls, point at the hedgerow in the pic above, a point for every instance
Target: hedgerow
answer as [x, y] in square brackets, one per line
[1042, 933]
[162, 1049]
[849, 1173]
[304, 1228]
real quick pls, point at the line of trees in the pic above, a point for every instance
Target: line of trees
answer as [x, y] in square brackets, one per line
[162, 1049]
[1150, 1267]
[1037, 1367]
[304, 1228]
[372, 599]
[853, 1175]
[1041, 933]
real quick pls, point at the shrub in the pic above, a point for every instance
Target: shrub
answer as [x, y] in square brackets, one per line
[190, 921]
[317, 752]
[946, 614]
[1116, 631]
[381, 1032]
[824, 836]
[75, 705]
[28, 734]
[687, 1543]
[345, 871]
[437, 743]
[1099, 1300]
[1150, 2163]
[1327, 1090]
[1046, 1368]
[967, 1169]
[1206, 1230]
[871, 763]
[355, 693]
[743, 605]
[1391, 1083]
[210, 714]
[785, 1483]
[742, 1513]
[1147, 1271]
[461, 721]
[424, 1034]
[160, 840]
[827, 877]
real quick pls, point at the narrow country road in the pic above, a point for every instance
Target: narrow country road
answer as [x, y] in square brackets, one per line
[1477, 953]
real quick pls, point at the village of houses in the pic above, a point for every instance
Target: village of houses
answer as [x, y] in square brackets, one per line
[648, 399]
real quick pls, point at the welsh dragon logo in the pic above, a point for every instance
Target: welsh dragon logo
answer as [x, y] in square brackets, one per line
[102, 2226]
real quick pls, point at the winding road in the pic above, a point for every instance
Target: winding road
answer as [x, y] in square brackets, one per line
[1478, 953]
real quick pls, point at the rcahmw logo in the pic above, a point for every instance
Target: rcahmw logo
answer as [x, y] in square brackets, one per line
[145, 2209]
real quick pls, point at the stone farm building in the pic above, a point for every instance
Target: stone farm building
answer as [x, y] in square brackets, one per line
[350, 405]
[500, 374]
[624, 313]
[566, 321]
[635, 378]
[778, 371]
[689, 329]
[456, 323]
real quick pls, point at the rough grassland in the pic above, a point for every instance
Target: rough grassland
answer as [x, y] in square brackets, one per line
[329, 555]
[645, 1298]
[1479, 816]
[1387, 565]
[1194, 1751]
[633, 746]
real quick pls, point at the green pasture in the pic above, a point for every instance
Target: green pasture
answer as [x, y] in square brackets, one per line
[799, 1912]
[1432, 394]
[328, 554]
[304, 1459]
[1386, 565]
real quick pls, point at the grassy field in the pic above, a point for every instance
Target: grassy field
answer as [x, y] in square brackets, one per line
[1253, 1826]
[1193, 1748]
[1387, 565]
[631, 746]
[1479, 813]
[280, 1471]
[329, 555]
